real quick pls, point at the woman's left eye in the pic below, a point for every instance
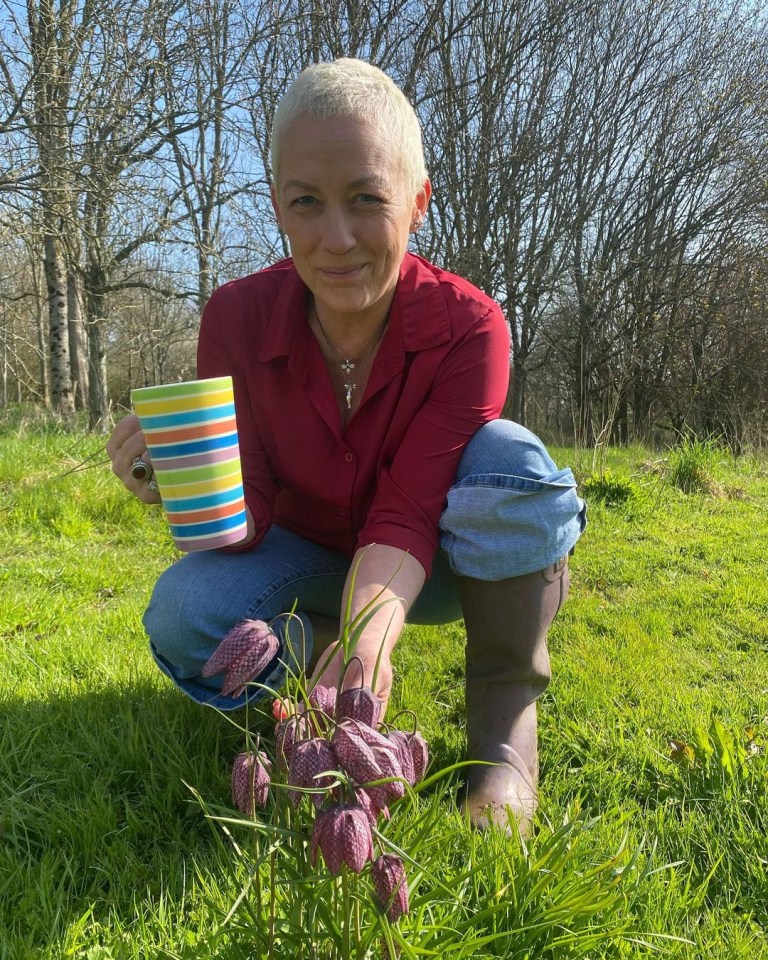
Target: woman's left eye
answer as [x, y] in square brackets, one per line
[367, 198]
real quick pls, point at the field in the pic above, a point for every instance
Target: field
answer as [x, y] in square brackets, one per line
[653, 834]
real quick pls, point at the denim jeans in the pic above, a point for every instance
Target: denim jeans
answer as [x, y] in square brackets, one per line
[509, 512]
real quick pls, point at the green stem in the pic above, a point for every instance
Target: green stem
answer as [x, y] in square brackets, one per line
[272, 902]
[346, 930]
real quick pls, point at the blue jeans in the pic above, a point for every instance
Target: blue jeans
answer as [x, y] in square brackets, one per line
[509, 512]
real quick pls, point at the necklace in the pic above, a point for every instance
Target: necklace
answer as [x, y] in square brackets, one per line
[348, 364]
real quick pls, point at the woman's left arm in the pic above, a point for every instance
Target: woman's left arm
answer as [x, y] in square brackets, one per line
[390, 579]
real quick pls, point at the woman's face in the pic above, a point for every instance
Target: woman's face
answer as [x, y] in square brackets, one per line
[342, 200]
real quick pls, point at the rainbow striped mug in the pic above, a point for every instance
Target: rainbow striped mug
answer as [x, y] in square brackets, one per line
[191, 435]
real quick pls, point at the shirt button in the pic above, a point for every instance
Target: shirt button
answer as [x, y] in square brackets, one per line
[342, 512]
[349, 457]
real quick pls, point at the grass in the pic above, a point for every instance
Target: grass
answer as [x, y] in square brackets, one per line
[653, 838]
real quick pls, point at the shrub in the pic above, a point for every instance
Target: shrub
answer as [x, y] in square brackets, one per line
[610, 489]
[691, 463]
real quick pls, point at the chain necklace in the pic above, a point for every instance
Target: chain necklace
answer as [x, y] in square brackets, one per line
[348, 364]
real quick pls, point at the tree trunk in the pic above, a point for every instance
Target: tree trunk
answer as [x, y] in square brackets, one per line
[96, 309]
[4, 359]
[62, 396]
[78, 343]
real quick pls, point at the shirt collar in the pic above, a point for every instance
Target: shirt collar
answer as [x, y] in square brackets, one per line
[418, 309]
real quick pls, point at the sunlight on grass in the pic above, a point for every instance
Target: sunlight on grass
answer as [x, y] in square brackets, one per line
[644, 848]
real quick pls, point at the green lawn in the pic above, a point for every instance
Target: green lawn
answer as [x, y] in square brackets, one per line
[643, 848]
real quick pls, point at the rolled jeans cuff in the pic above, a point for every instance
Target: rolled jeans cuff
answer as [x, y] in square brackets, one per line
[496, 526]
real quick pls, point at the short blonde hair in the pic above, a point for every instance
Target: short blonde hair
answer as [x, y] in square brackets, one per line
[354, 88]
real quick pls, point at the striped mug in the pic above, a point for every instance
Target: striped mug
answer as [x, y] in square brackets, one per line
[191, 435]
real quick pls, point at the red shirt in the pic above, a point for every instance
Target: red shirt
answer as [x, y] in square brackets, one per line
[441, 371]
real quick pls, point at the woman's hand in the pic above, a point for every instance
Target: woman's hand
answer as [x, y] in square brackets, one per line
[123, 447]
[360, 671]
[387, 580]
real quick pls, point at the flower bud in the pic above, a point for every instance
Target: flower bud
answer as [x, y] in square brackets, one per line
[391, 885]
[250, 781]
[281, 709]
[343, 835]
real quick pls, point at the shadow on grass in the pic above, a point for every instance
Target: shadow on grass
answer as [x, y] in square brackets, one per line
[98, 828]
[95, 814]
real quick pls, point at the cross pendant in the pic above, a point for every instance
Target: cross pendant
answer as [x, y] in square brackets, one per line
[348, 391]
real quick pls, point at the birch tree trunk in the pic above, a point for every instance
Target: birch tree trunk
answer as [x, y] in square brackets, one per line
[78, 343]
[62, 395]
[50, 30]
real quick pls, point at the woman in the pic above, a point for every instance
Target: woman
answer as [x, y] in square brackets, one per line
[368, 386]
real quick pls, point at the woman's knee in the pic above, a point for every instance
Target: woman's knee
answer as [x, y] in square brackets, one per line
[164, 616]
[505, 447]
[510, 511]
[184, 617]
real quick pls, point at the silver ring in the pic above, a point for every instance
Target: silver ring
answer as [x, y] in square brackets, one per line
[140, 469]
[152, 484]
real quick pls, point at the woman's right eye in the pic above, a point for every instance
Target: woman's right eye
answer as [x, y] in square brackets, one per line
[303, 201]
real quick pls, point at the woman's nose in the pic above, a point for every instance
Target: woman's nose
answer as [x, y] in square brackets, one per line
[338, 235]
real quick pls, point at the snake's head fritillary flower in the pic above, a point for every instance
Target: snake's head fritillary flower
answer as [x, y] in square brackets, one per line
[323, 699]
[319, 708]
[415, 745]
[343, 835]
[358, 703]
[390, 767]
[372, 737]
[400, 741]
[372, 811]
[420, 754]
[309, 759]
[234, 644]
[243, 653]
[355, 756]
[286, 733]
[391, 885]
[250, 781]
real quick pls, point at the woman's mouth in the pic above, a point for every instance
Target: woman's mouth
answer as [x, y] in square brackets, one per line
[341, 273]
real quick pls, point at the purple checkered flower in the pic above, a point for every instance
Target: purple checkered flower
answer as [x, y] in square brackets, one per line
[391, 885]
[323, 699]
[390, 767]
[355, 756]
[242, 655]
[399, 739]
[343, 835]
[420, 754]
[250, 781]
[359, 703]
[372, 811]
[309, 759]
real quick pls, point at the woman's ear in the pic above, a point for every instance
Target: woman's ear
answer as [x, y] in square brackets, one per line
[420, 206]
[423, 196]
